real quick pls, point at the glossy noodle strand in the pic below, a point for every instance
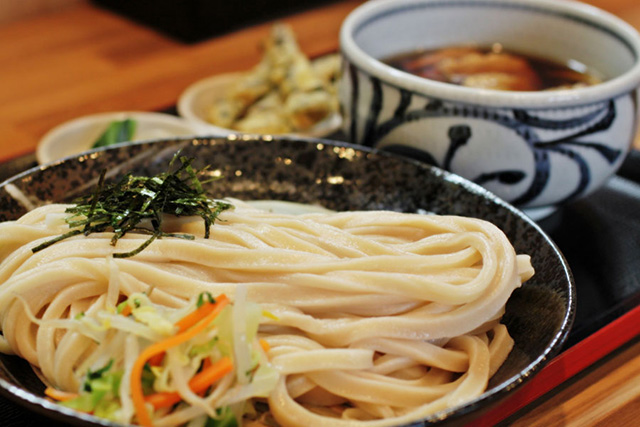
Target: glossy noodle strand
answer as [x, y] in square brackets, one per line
[376, 318]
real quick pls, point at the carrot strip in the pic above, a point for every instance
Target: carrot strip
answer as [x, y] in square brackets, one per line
[206, 363]
[163, 399]
[183, 324]
[265, 345]
[156, 360]
[198, 384]
[59, 395]
[195, 316]
[203, 379]
[137, 396]
[126, 310]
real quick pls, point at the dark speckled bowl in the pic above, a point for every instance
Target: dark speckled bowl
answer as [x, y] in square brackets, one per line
[340, 177]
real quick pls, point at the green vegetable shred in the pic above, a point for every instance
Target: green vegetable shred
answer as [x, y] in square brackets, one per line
[117, 131]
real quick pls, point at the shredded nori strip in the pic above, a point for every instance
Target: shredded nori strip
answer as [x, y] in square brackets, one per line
[123, 206]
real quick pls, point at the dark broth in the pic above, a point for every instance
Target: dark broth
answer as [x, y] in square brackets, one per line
[493, 68]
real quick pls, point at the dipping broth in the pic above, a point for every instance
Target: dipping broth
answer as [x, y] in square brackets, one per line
[493, 68]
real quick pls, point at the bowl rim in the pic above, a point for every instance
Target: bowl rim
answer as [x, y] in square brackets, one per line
[609, 89]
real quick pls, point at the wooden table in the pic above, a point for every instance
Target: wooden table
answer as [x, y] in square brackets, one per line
[84, 60]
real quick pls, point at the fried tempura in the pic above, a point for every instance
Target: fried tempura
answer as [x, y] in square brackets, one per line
[284, 93]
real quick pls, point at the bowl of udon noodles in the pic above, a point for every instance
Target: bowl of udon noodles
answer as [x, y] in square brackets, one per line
[536, 100]
[276, 281]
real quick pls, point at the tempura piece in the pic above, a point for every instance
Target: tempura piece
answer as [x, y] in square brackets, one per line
[225, 111]
[498, 81]
[415, 64]
[495, 68]
[580, 79]
[327, 68]
[300, 78]
[305, 109]
[501, 71]
[253, 85]
[268, 122]
[280, 51]
[265, 116]
[246, 90]
[284, 93]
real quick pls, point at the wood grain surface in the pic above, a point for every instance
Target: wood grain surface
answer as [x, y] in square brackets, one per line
[14, 10]
[608, 394]
[82, 60]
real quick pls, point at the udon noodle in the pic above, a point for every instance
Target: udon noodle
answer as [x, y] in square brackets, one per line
[377, 318]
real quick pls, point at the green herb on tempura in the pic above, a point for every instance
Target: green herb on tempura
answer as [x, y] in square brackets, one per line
[122, 207]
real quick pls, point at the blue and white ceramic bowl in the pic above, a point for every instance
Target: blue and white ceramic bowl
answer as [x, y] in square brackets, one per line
[536, 150]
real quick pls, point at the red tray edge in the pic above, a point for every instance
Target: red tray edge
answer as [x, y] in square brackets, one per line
[566, 365]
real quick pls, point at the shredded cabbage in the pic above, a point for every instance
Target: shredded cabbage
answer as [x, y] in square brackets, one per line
[100, 393]
[233, 334]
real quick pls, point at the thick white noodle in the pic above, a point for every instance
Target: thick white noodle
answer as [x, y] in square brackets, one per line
[395, 315]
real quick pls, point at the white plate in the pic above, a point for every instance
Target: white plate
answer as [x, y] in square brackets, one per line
[78, 135]
[197, 98]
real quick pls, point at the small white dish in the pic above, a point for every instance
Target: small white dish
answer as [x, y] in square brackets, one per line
[197, 98]
[78, 135]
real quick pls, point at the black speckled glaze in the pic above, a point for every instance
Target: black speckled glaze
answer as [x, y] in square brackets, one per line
[341, 177]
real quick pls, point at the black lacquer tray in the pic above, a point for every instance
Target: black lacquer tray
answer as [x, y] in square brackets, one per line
[600, 237]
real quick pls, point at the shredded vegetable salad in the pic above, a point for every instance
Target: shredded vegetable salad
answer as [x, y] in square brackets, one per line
[200, 365]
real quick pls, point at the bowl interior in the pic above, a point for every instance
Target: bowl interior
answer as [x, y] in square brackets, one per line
[550, 30]
[336, 176]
